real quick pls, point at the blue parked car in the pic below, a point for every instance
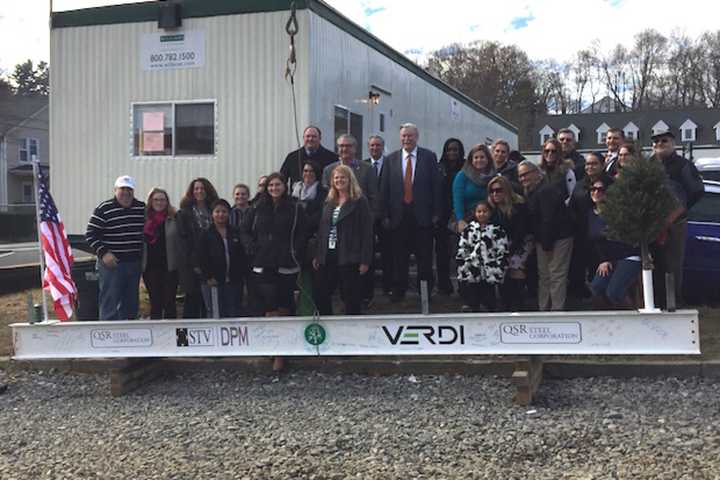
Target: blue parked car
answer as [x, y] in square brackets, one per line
[702, 251]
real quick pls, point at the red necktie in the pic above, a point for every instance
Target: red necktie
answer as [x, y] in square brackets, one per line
[408, 182]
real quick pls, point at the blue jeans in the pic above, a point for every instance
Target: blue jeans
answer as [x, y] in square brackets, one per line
[229, 299]
[119, 290]
[615, 285]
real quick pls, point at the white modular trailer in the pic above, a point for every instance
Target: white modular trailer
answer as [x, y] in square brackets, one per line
[210, 98]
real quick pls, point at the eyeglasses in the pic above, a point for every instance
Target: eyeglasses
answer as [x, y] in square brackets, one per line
[550, 150]
[496, 190]
[525, 174]
[597, 189]
[345, 145]
[661, 140]
[308, 170]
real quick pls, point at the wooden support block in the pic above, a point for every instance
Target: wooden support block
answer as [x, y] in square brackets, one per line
[527, 377]
[133, 374]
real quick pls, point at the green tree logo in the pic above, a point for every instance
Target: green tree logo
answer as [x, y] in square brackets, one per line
[315, 334]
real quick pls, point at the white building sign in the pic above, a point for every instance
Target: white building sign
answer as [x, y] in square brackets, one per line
[539, 333]
[167, 51]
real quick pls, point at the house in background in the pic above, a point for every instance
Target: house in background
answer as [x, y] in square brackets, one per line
[697, 131]
[23, 134]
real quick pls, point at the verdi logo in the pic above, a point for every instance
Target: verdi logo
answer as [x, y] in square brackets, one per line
[172, 38]
[425, 335]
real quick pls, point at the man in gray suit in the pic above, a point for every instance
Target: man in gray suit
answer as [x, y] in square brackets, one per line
[364, 173]
[411, 204]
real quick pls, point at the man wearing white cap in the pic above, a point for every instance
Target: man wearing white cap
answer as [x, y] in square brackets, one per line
[115, 232]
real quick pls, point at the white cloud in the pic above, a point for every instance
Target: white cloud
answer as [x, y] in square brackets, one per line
[557, 28]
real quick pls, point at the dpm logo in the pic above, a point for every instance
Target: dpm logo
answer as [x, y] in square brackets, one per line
[411, 335]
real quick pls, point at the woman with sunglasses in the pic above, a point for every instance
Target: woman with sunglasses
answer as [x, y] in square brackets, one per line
[510, 212]
[619, 263]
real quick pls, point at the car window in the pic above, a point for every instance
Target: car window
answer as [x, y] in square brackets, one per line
[707, 209]
[711, 175]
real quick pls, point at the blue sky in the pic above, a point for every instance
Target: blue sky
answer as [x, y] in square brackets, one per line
[543, 28]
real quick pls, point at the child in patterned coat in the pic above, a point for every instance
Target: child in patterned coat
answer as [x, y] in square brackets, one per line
[482, 257]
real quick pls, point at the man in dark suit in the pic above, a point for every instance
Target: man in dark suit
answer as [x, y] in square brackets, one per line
[311, 150]
[364, 173]
[411, 194]
[383, 244]
[613, 139]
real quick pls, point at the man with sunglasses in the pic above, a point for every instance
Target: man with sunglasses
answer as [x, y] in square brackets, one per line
[685, 183]
[566, 137]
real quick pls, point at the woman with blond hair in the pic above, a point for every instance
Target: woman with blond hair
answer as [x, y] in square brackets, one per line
[510, 212]
[345, 243]
[160, 255]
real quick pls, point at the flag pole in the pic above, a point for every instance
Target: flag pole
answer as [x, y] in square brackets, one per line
[36, 173]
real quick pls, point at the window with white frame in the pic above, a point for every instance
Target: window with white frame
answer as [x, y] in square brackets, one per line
[688, 131]
[602, 134]
[174, 129]
[546, 133]
[28, 148]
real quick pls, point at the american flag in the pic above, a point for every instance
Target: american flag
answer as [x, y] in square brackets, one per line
[58, 254]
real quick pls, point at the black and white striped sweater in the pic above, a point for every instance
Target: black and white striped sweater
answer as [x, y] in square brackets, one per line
[113, 228]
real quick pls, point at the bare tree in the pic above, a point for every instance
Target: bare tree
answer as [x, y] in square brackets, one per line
[645, 60]
[615, 72]
[709, 68]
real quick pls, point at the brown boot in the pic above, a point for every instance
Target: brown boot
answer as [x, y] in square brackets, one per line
[272, 313]
[278, 364]
[283, 312]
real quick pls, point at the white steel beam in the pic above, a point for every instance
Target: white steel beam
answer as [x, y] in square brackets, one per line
[537, 333]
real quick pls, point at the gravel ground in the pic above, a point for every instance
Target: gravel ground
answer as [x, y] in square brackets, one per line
[225, 424]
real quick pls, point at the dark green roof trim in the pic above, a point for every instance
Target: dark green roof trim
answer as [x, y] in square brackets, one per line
[147, 12]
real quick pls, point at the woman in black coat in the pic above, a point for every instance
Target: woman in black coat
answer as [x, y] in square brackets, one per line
[511, 213]
[223, 263]
[275, 231]
[193, 219]
[345, 243]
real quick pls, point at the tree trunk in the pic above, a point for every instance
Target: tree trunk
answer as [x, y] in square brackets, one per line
[647, 281]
